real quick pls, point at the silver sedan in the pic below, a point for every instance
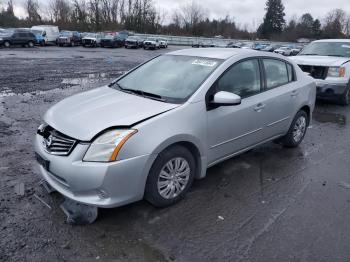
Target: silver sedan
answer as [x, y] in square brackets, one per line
[154, 130]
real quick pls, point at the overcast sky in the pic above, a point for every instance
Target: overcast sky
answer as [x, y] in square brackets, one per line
[245, 12]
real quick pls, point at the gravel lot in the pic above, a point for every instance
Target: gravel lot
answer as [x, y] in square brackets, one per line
[271, 204]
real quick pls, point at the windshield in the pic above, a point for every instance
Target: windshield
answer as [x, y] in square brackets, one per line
[37, 32]
[132, 38]
[151, 39]
[66, 33]
[341, 49]
[174, 78]
[91, 35]
[108, 37]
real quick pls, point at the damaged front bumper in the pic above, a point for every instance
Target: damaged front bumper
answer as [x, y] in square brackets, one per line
[105, 185]
[330, 90]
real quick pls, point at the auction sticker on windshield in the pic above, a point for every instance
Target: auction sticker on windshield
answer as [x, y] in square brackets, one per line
[203, 62]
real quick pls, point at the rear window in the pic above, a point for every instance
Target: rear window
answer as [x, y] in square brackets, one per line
[276, 73]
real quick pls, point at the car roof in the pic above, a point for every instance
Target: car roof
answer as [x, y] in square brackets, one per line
[216, 53]
[332, 40]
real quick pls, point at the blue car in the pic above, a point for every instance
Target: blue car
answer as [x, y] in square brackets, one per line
[40, 37]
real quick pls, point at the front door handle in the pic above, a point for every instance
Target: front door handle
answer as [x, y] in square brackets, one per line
[259, 107]
[294, 93]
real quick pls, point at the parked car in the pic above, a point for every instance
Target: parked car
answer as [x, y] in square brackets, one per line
[49, 32]
[151, 43]
[296, 50]
[328, 62]
[69, 38]
[233, 45]
[91, 40]
[247, 45]
[112, 41]
[163, 42]
[284, 50]
[271, 48]
[13, 37]
[151, 132]
[133, 42]
[40, 37]
[204, 44]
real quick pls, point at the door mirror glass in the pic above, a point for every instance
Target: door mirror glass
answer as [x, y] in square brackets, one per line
[224, 98]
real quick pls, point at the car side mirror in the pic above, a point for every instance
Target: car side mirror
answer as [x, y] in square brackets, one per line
[224, 98]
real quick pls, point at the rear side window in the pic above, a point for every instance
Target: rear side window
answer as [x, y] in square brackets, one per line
[277, 73]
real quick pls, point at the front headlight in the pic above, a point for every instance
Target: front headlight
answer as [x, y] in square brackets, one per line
[336, 72]
[106, 147]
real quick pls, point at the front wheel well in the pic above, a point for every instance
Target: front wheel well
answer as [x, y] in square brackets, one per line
[194, 151]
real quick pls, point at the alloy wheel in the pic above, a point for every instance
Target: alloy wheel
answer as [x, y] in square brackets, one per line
[299, 129]
[173, 178]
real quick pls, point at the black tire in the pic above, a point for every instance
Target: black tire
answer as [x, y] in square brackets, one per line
[42, 43]
[345, 98]
[289, 140]
[152, 193]
[7, 44]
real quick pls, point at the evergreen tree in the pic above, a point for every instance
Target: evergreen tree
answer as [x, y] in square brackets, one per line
[316, 29]
[274, 21]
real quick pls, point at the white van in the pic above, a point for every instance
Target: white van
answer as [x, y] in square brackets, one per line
[50, 32]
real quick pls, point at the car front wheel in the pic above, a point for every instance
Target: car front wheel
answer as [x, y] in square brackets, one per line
[345, 99]
[297, 130]
[171, 176]
[30, 44]
[7, 44]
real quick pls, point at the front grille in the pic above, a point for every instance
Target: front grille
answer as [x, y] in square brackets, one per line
[56, 143]
[88, 41]
[317, 72]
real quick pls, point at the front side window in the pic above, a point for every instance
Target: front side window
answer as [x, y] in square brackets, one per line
[174, 78]
[242, 79]
[276, 73]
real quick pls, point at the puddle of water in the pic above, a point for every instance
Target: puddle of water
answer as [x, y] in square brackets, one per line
[323, 117]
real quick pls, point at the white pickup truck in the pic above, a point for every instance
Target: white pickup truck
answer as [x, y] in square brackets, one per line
[328, 62]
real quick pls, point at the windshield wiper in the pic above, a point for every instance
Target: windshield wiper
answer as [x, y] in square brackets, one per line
[309, 54]
[142, 93]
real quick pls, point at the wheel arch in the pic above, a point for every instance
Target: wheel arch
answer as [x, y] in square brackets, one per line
[194, 146]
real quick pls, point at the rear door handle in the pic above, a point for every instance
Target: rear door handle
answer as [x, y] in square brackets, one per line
[294, 93]
[259, 107]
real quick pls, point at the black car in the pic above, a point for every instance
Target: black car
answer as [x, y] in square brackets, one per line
[12, 37]
[133, 42]
[69, 38]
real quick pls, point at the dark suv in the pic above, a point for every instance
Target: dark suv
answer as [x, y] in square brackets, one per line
[116, 40]
[69, 38]
[11, 37]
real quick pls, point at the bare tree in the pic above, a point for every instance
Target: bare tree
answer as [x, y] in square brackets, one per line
[60, 11]
[32, 9]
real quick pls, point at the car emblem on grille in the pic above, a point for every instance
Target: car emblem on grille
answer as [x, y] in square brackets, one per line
[48, 141]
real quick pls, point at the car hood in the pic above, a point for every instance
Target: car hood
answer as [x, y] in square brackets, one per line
[90, 38]
[84, 115]
[320, 60]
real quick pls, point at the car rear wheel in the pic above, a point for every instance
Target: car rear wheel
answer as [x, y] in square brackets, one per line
[7, 44]
[30, 44]
[171, 176]
[297, 130]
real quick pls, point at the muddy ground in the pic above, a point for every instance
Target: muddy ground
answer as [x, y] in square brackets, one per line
[271, 204]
